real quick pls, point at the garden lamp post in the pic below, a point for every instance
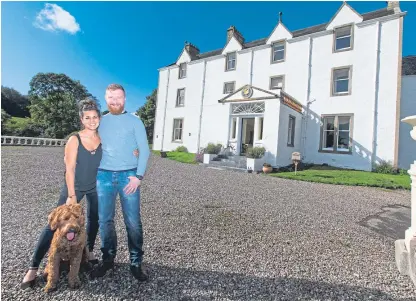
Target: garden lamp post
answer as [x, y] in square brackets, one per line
[406, 248]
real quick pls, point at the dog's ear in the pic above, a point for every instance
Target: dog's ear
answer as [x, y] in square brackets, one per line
[53, 218]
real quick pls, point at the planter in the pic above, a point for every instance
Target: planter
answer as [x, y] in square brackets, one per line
[267, 169]
[208, 158]
[255, 164]
[163, 154]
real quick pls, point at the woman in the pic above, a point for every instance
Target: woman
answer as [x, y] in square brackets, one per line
[82, 157]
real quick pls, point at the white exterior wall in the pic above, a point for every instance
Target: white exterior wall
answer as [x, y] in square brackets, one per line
[363, 59]
[284, 153]
[407, 146]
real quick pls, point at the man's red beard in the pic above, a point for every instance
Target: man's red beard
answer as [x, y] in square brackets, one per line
[115, 111]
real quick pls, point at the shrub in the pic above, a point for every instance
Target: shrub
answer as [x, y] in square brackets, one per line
[213, 149]
[385, 167]
[199, 156]
[267, 165]
[255, 152]
[181, 149]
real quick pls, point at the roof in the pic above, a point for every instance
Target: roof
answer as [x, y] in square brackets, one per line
[409, 65]
[297, 33]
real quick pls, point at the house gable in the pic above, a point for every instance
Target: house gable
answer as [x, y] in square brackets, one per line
[232, 45]
[280, 32]
[345, 15]
[184, 57]
[249, 93]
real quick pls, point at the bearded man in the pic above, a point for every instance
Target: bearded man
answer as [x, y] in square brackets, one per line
[121, 173]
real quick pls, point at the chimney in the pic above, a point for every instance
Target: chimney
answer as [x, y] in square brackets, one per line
[393, 5]
[192, 50]
[232, 31]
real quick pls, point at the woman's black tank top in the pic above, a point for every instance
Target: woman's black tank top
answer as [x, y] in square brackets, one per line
[86, 167]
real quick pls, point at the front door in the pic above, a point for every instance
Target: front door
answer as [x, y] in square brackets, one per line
[247, 134]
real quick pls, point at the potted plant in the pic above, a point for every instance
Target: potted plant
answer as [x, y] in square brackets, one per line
[255, 158]
[211, 151]
[163, 154]
[267, 168]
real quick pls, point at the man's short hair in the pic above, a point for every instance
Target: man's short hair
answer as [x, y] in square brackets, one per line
[113, 87]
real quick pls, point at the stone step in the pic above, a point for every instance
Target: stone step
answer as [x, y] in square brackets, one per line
[229, 164]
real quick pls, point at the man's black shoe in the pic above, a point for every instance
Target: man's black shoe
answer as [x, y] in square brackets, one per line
[101, 269]
[138, 273]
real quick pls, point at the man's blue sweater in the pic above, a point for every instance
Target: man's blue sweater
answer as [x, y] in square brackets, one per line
[120, 136]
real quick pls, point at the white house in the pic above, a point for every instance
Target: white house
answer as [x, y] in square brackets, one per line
[333, 92]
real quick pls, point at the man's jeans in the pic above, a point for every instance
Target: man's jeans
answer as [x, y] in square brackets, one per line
[109, 184]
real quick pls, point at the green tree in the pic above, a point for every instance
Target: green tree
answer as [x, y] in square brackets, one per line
[4, 118]
[14, 103]
[147, 114]
[57, 113]
[54, 98]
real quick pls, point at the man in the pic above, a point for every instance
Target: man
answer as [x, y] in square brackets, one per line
[121, 172]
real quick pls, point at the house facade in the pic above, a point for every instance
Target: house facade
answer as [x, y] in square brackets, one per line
[332, 92]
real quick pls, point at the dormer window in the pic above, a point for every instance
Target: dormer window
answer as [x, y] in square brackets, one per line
[343, 38]
[231, 60]
[278, 52]
[182, 70]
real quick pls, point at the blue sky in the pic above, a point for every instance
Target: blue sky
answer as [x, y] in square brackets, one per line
[126, 42]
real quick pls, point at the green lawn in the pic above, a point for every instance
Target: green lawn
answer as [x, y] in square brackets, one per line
[179, 156]
[348, 177]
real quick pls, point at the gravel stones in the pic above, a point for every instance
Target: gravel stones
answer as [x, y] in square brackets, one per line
[213, 235]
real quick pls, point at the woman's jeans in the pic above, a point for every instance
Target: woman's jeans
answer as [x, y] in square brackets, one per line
[109, 184]
[92, 224]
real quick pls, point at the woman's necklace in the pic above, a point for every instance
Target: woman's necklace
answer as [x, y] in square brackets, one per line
[89, 137]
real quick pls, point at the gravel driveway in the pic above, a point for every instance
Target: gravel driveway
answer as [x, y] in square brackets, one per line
[214, 235]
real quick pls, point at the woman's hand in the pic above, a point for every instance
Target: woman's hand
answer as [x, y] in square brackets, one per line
[136, 152]
[71, 201]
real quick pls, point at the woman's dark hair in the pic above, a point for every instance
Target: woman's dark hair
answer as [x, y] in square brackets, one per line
[88, 105]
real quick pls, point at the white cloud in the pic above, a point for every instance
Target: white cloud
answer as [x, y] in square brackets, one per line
[55, 18]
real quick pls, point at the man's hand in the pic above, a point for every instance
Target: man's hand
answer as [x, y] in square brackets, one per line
[132, 186]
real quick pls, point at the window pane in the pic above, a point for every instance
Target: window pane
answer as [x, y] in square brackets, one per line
[343, 32]
[342, 43]
[278, 55]
[329, 123]
[343, 140]
[328, 139]
[341, 86]
[279, 46]
[344, 123]
[276, 81]
[341, 73]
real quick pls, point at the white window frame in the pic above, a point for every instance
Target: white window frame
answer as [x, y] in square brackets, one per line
[282, 77]
[278, 44]
[225, 88]
[336, 130]
[182, 70]
[334, 80]
[180, 101]
[231, 57]
[177, 129]
[350, 35]
[291, 131]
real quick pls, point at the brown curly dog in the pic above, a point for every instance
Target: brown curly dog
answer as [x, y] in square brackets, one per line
[68, 243]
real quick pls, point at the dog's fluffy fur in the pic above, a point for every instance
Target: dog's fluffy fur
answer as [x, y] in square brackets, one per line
[64, 220]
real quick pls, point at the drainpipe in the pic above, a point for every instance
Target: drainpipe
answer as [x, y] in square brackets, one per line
[251, 67]
[376, 88]
[164, 114]
[308, 95]
[202, 107]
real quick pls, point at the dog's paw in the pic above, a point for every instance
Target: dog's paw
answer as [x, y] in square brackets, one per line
[74, 283]
[49, 288]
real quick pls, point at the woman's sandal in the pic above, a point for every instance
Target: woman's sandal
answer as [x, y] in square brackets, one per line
[30, 283]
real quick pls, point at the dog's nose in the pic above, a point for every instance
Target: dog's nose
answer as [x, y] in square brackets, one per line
[72, 230]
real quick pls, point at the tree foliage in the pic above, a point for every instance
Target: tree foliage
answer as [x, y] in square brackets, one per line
[14, 103]
[147, 114]
[54, 98]
[57, 113]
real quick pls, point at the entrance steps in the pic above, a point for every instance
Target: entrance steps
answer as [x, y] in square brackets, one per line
[232, 162]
